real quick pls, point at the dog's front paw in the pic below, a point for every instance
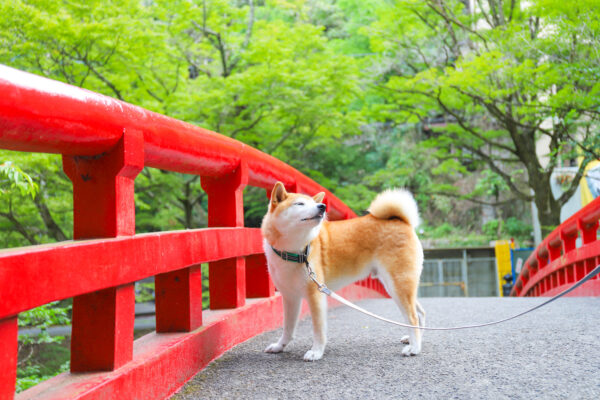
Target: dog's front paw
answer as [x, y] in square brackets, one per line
[313, 355]
[274, 348]
[410, 350]
[405, 339]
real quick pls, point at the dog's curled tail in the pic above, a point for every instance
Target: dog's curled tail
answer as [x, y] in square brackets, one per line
[396, 203]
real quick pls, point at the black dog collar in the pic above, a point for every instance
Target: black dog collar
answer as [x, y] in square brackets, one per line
[293, 257]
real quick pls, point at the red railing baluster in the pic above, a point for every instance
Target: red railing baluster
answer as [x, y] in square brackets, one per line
[103, 206]
[226, 278]
[569, 241]
[178, 298]
[553, 252]
[258, 281]
[588, 231]
[9, 347]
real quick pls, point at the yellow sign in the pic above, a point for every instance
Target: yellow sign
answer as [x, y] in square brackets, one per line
[590, 183]
[502, 250]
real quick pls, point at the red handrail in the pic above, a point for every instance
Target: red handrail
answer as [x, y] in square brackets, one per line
[42, 115]
[106, 263]
[557, 262]
[104, 144]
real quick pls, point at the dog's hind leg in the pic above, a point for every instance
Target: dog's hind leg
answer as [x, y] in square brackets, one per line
[291, 311]
[407, 304]
[403, 291]
[421, 315]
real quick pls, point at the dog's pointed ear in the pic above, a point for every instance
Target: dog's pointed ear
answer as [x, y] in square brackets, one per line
[278, 194]
[319, 197]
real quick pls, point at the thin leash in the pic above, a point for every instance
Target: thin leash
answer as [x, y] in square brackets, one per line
[303, 259]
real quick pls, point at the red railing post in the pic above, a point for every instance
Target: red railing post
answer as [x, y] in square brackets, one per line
[258, 281]
[9, 347]
[226, 278]
[178, 297]
[588, 235]
[569, 241]
[553, 251]
[588, 231]
[103, 206]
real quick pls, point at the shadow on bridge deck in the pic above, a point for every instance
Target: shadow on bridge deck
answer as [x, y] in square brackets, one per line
[551, 353]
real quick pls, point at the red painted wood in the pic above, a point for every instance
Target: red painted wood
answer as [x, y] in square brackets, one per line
[36, 275]
[42, 115]
[572, 258]
[226, 278]
[227, 283]
[178, 297]
[554, 252]
[258, 281]
[103, 202]
[547, 272]
[588, 231]
[104, 206]
[374, 284]
[104, 322]
[105, 143]
[225, 197]
[568, 241]
[163, 363]
[9, 332]
[589, 289]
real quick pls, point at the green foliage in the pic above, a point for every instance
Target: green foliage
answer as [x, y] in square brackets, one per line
[168, 201]
[488, 83]
[267, 74]
[13, 178]
[40, 212]
[43, 317]
[516, 228]
[490, 228]
[35, 365]
[510, 228]
[144, 292]
[47, 315]
[31, 375]
[448, 235]
[490, 184]
[442, 231]
[360, 95]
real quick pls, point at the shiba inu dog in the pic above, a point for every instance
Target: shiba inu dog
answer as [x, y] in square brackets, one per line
[382, 243]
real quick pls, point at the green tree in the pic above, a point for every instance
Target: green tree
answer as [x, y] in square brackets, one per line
[262, 73]
[37, 207]
[501, 78]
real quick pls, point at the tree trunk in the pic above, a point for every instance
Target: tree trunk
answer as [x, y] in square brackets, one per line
[548, 222]
[19, 227]
[54, 230]
[187, 205]
[548, 208]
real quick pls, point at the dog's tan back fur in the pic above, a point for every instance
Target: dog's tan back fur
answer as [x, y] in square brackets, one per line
[347, 247]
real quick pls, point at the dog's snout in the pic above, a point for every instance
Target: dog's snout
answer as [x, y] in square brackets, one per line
[322, 207]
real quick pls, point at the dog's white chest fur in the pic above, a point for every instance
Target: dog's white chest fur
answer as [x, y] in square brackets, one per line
[290, 278]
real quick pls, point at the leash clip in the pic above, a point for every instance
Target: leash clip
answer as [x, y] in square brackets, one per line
[321, 286]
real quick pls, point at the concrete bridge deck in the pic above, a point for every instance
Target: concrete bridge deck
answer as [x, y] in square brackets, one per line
[553, 353]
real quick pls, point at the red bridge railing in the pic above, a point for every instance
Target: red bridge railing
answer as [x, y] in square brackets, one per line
[104, 145]
[558, 262]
